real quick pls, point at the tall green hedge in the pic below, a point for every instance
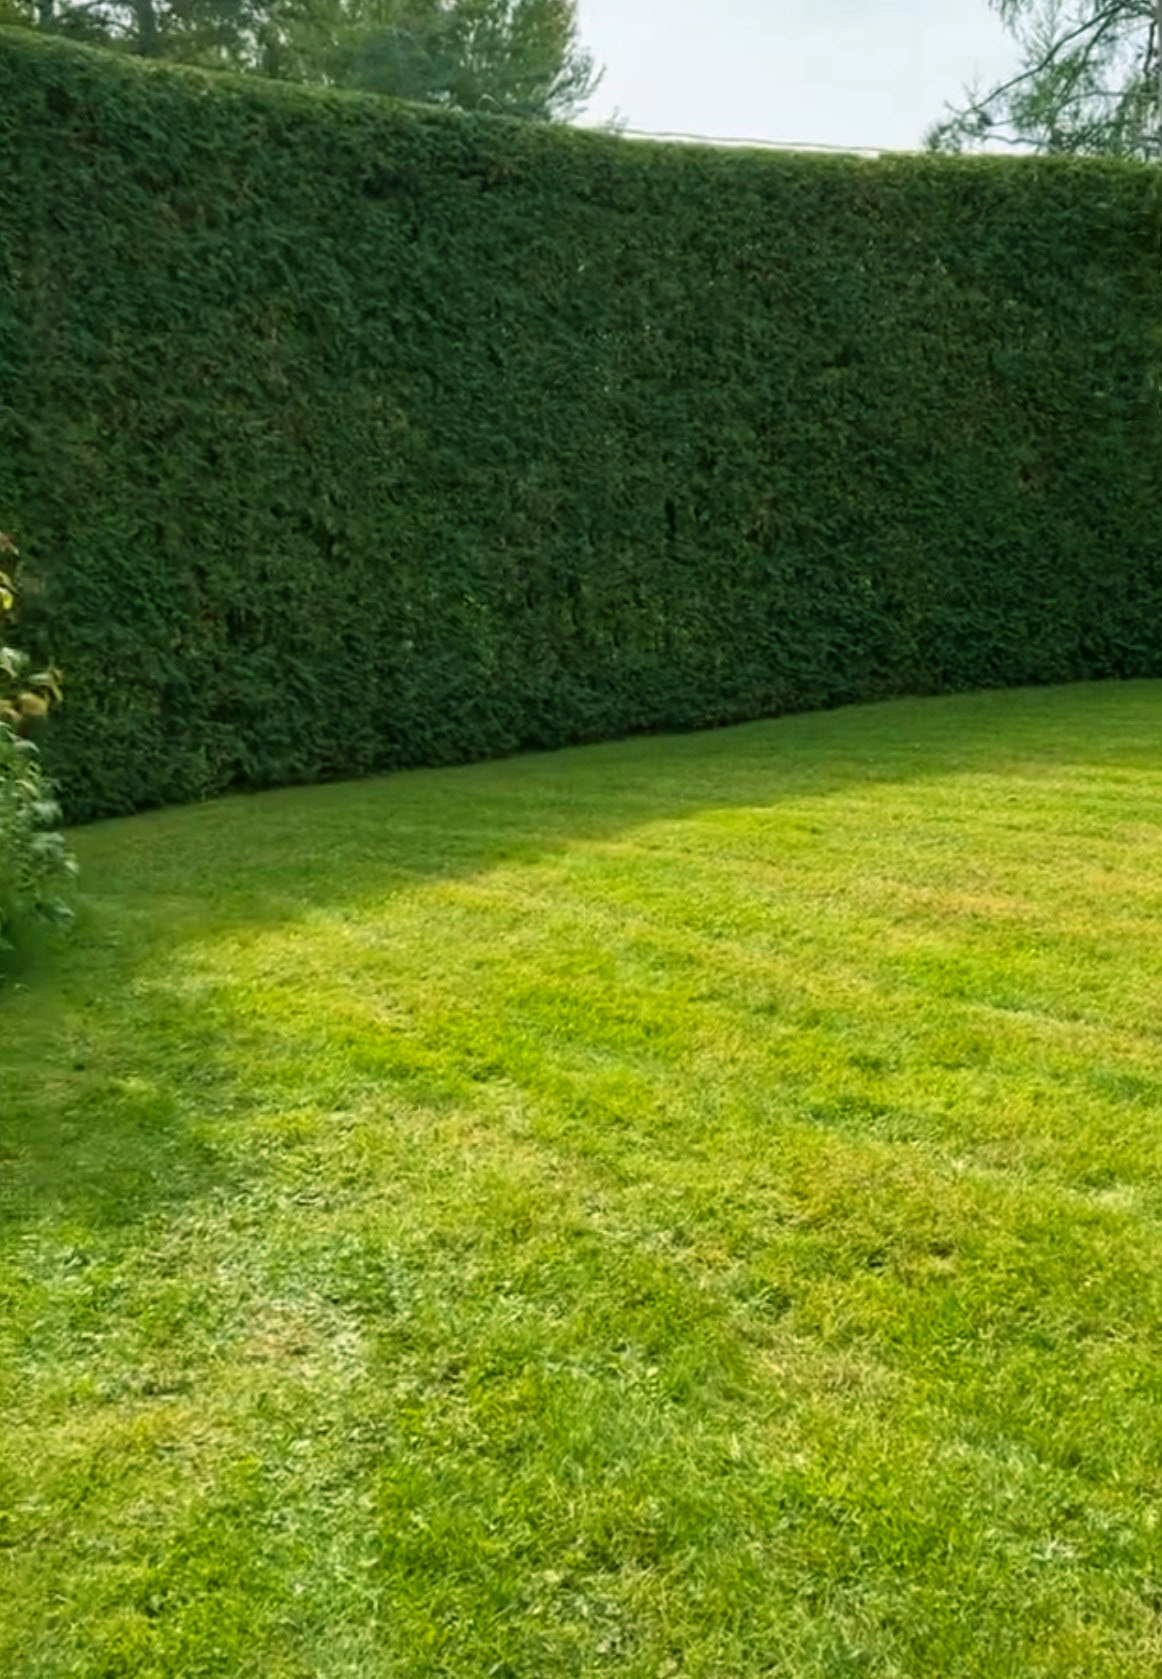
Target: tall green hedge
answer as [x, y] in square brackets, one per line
[351, 435]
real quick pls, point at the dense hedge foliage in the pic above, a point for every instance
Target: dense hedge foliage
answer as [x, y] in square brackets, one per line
[356, 435]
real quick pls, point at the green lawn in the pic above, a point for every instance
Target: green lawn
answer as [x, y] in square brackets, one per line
[685, 1207]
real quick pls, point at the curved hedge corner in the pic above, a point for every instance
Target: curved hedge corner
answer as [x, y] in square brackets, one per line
[353, 435]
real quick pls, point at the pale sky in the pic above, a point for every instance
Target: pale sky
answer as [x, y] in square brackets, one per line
[869, 73]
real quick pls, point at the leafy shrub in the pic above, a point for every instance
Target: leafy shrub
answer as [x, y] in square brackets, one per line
[35, 866]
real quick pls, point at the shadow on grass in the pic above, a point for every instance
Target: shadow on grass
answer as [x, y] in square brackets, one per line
[113, 1089]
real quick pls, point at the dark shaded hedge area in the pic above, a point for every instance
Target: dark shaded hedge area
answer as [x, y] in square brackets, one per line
[343, 435]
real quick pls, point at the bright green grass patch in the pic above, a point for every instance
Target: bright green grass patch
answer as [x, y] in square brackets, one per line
[683, 1207]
